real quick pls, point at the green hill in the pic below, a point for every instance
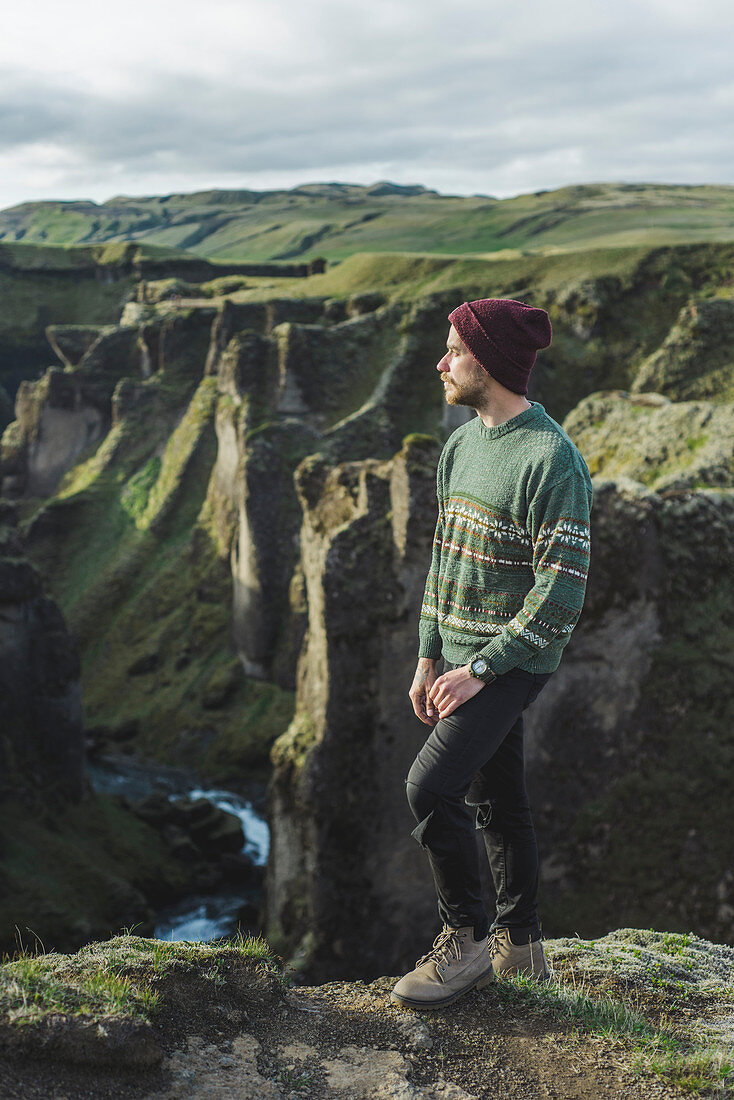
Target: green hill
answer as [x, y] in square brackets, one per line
[336, 220]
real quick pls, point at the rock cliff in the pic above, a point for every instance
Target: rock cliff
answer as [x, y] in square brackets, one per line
[637, 1014]
[42, 741]
[230, 495]
[696, 359]
[343, 875]
[44, 286]
[348, 886]
[70, 862]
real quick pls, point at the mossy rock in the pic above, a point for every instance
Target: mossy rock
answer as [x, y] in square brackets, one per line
[652, 962]
[290, 751]
[105, 1006]
[663, 444]
[696, 361]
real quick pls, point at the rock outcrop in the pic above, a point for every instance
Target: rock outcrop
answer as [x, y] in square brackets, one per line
[55, 425]
[696, 360]
[142, 1018]
[343, 874]
[627, 700]
[65, 415]
[662, 443]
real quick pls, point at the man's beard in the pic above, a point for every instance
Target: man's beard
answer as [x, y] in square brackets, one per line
[470, 393]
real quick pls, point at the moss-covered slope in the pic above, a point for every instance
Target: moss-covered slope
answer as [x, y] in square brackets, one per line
[76, 871]
[148, 594]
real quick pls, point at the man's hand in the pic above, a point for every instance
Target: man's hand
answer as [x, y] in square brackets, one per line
[454, 688]
[423, 681]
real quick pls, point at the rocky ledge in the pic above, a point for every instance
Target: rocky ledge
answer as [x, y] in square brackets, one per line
[638, 1014]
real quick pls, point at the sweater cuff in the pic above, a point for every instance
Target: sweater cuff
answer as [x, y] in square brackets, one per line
[500, 656]
[429, 642]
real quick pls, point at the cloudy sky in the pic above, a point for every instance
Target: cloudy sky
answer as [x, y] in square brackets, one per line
[150, 96]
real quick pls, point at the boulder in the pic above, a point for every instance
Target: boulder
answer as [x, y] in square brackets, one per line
[214, 831]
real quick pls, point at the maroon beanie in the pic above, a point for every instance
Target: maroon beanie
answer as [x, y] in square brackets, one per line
[504, 337]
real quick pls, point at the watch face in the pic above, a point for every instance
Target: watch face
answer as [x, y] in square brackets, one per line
[480, 666]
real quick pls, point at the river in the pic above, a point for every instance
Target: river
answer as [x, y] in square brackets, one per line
[200, 917]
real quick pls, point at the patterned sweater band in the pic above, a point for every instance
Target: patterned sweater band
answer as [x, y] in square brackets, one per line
[511, 548]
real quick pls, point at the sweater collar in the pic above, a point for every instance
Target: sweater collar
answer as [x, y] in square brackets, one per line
[519, 421]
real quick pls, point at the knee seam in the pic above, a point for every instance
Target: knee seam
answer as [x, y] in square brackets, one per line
[420, 800]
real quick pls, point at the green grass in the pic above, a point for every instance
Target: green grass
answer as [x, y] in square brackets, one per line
[136, 492]
[339, 220]
[696, 1066]
[114, 979]
[31, 990]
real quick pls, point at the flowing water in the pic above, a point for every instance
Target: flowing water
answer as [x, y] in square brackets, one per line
[200, 917]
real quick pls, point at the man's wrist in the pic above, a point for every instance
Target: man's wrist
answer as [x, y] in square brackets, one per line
[480, 669]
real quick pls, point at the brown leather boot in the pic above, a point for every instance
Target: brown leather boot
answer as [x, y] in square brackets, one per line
[508, 960]
[455, 964]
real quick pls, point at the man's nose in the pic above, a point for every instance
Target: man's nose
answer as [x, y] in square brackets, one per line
[443, 364]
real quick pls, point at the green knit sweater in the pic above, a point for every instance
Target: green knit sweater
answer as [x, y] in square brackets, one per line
[511, 549]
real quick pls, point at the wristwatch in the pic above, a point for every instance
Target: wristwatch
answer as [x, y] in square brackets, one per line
[480, 669]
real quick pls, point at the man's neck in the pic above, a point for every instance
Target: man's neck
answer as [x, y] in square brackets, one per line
[498, 408]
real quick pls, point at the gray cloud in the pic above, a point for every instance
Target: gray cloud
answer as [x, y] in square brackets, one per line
[579, 101]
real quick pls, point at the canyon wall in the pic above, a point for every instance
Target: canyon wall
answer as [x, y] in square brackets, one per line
[41, 736]
[610, 754]
[230, 496]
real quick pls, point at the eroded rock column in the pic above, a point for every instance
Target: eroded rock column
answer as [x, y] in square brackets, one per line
[347, 884]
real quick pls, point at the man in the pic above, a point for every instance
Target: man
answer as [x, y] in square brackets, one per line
[503, 593]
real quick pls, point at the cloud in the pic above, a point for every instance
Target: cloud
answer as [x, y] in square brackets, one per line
[468, 96]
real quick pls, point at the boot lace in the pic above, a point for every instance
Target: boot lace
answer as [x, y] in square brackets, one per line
[446, 946]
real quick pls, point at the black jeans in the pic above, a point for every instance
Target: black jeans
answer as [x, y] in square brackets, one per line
[474, 758]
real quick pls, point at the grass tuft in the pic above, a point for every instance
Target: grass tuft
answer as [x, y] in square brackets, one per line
[116, 978]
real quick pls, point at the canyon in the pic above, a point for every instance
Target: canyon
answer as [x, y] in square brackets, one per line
[219, 505]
